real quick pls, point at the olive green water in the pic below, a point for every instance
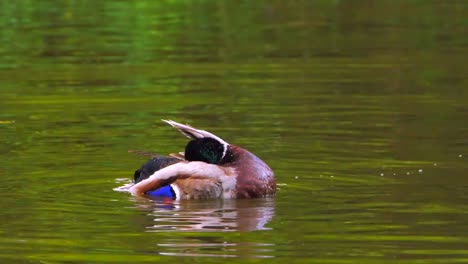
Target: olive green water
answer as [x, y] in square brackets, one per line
[360, 108]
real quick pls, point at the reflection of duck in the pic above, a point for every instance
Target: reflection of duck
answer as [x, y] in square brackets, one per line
[209, 168]
[208, 215]
[192, 218]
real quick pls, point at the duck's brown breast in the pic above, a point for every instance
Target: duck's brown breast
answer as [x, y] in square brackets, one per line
[254, 177]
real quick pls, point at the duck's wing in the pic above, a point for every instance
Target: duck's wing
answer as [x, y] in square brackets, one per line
[185, 171]
[192, 132]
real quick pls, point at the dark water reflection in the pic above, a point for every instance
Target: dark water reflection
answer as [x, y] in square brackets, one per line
[360, 108]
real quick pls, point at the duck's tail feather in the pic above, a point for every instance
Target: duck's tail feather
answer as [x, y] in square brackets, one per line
[143, 153]
[179, 155]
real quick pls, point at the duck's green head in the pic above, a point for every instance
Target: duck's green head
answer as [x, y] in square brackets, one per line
[208, 150]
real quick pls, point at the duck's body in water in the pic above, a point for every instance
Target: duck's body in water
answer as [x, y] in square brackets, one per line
[209, 168]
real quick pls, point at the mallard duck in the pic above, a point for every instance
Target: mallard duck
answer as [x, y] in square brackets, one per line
[209, 168]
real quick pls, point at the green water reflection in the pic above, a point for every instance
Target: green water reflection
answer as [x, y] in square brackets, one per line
[360, 108]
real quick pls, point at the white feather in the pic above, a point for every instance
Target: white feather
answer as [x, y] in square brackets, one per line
[176, 191]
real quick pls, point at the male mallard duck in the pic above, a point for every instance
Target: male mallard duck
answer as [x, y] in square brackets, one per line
[209, 168]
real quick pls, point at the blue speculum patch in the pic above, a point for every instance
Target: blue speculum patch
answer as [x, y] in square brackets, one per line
[165, 191]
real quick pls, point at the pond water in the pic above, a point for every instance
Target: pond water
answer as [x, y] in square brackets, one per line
[359, 107]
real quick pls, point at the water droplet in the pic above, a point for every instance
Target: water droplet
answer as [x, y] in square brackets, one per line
[420, 170]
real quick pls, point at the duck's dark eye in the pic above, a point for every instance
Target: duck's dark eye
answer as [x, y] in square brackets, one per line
[208, 150]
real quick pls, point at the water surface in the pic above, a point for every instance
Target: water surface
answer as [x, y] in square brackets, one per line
[360, 108]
